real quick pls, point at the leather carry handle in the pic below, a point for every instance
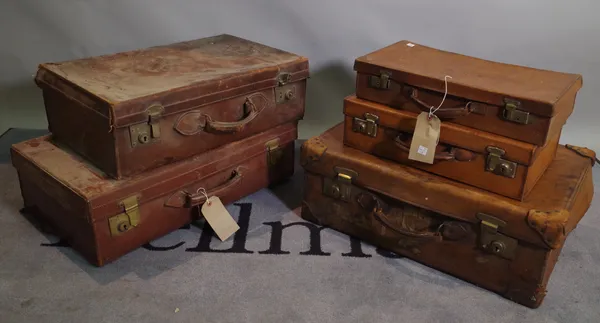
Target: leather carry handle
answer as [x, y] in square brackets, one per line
[442, 113]
[454, 153]
[381, 213]
[199, 198]
[194, 122]
[232, 127]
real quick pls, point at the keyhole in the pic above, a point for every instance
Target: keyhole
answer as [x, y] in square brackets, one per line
[504, 169]
[143, 138]
[289, 95]
[497, 247]
[123, 226]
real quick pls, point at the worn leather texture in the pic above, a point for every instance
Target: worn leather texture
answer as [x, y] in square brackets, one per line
[78, 200]
[434, 221]
[477, 89]
[566, 185]
[462, 152]
[208, 92]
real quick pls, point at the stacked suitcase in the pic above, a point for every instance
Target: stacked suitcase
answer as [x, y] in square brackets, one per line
[140, 139]
[454, 162]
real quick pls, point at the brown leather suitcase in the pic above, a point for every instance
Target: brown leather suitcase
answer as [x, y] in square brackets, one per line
[134, 111]
[104, 219]
[485, 160]
[518, 102]
[502, 245]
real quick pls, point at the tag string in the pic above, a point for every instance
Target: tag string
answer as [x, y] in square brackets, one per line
[443, 99]
[203, 191]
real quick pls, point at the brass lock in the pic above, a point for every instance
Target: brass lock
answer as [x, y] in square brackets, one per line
[497, 165]
[144, 133]
[512, 113]
[129, 219]
[367, 126]
[341, 186]
[493, 241]
[382, 81]
[285, 93]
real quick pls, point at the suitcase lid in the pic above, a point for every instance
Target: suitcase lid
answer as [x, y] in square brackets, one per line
[534, 90]
[551, 210]
[176, 77]
[105, 196]
[395, 121]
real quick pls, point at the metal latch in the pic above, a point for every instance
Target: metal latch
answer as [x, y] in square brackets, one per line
[144, 133]
[130, 218]
[499, 166]
[284, 78]
[274, 152]
[511, 112]
[381, 82]
[340, 187]
[494, 242]
[367, 126]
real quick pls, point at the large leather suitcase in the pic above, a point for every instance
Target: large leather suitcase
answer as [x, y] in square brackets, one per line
[485, 160]
[104, 218]
[518, 102]
[505, 246]
[133, 111]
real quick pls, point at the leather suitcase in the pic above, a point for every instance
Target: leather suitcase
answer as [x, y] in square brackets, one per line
[104, 218]
[518, 102]
[485, 160]
[502, 245]
[133, 111]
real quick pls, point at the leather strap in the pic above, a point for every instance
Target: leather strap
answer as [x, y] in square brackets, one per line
[442, 113]
[199, 198]
[450, 153]
[585, 152]
[194, 122]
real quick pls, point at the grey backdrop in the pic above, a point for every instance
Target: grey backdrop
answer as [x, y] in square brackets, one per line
[548, 34]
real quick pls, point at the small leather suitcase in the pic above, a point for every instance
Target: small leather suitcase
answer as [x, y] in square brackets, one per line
[133, 111]
[518, 102]
[485, 160]
[502, 245]
[104, 219]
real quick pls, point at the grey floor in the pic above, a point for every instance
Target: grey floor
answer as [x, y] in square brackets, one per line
[174, 279]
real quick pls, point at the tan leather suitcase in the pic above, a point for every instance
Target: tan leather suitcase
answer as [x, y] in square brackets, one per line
[505, 246]
[104, 218]
[485, 160]
[133, 111]
[518, 102]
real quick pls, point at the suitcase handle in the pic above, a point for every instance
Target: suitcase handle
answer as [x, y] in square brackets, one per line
[198, 198]
[453, 153]
[194, 122]
[442, 113]
[381, 212]
[232, 127]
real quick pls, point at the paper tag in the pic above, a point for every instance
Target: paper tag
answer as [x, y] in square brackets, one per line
[219, 219]
[425, 138]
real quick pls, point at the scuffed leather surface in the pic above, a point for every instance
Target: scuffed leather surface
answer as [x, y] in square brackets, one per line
[550, 225]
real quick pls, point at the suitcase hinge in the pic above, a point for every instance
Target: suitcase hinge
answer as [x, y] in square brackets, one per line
[499, 166]
[381, 82]
[341, 186]
[274, 152]
[144, 133]
[494, 242]
[511, 112]
[367, 126]
[130, 218]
